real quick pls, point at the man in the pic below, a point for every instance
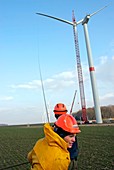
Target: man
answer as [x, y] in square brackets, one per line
[60, 109]
[50, 152]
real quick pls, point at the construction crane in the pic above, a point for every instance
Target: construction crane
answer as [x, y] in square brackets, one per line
[73, 102]
[79, 69]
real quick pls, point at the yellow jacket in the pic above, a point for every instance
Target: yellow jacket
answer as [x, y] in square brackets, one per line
[49, 153]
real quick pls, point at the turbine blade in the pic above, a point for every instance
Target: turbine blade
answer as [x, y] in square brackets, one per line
[98, 11]
[79, 22]
[59, 19]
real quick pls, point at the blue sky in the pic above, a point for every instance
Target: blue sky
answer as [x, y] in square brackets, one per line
[25, 37]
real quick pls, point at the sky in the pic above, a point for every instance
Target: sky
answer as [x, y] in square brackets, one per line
[28, 40]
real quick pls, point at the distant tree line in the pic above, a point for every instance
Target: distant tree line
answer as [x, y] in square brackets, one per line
[106, 111]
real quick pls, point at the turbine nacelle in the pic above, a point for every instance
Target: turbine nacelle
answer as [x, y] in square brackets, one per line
[86, 19]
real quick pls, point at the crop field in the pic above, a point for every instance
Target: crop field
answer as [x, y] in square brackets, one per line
[96, 146]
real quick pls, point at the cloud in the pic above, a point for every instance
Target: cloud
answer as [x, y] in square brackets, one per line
[68, 80]
[103, 59]
[31, 114]
[6, 98]
[30, 85]
[107, 99]
[104, 70]
[61, 80]
[65, 75]
[112, 46]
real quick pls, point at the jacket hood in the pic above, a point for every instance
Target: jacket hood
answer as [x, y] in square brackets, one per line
[51, 151]
[53, 138]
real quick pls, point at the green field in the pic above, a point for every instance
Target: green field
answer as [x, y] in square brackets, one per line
[96, 145]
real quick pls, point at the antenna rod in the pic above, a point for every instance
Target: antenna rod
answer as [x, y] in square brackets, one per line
[43, 93]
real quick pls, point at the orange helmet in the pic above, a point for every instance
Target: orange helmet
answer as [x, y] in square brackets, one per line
[68, 123]
[60, 108]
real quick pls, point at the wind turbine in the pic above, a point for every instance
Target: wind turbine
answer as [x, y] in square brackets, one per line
[90, 60]
[84, 22]
[91, 66]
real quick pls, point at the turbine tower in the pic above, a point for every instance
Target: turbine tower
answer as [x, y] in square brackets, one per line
[90, 60]
[91, 66]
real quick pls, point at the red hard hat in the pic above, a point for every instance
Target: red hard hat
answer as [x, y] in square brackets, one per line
[68, 123]
[60, 108]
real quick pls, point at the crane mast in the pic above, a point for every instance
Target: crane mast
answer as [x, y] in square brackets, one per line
[79, 69]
